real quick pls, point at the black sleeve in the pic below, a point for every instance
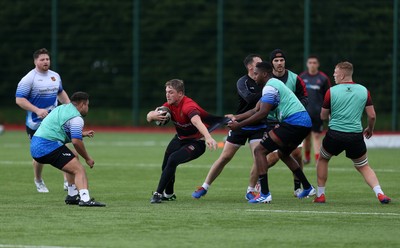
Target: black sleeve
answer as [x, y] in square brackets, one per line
[244, 91]
[301, 91]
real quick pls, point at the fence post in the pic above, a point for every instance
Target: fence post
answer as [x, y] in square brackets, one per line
[135, 62]
[306, 51]
[395, 63]
[54, 26]
[220, 56]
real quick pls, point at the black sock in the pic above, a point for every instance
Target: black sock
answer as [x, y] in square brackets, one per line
[166, 176]
[169, 190]
[264, 183]
[297, 184]
[300, 175]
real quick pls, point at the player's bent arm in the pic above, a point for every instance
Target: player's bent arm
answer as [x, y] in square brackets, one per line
[245, 115]
[370, 110]
[196, 121]
[264, 109]
[371, 115]
[248, 113]
[80, 148]
[89, 133]
[63, 97]
[26, 105]
[324, 114]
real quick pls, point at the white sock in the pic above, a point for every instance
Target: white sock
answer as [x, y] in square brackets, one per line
[377, 189]
[72, 190]
[84, 194]
[321, 190]
[250, 189]
[205, 186]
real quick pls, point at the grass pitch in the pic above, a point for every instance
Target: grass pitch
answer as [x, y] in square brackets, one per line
[127, 170]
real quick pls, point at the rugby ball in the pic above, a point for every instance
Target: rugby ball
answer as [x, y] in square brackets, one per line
[166, 112]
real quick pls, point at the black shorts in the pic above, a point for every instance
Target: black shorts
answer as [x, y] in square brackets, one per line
[30, 132]
[290, 135]
[57, 158]
[239, 137]
[317, 123]
[336, 142]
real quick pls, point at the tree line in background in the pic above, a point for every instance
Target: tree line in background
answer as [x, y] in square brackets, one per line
[178, 39]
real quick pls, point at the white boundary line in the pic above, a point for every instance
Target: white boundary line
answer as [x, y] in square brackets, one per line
[376, 141]
[319, 212]
[190, 165]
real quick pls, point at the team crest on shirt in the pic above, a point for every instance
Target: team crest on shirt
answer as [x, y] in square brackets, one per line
[53, 78]
[191, 147]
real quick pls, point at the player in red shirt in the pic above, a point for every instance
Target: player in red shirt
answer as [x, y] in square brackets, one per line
[190, 141]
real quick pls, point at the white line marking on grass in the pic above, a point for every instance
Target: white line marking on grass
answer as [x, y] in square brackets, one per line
[351, 169]
[196, 166]
[16, 145]
[127, 143]
[15, 162]
[280, 168]
[319, 212]
[33, 246]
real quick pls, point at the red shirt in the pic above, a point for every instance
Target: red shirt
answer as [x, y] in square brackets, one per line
[181, 115]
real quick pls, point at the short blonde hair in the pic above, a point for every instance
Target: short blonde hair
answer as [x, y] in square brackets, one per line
[176, 84]
[346, 67]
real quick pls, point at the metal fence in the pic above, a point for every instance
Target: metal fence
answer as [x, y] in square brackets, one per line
[122, 52]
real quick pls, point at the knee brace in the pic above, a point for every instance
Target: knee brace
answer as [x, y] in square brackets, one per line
[360, 163]
[324, 154]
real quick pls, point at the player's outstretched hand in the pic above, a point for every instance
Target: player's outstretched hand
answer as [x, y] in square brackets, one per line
[90, 162]
[89, 133]
[231, 116]
[211, 144]
[368, 133]
[233, 125]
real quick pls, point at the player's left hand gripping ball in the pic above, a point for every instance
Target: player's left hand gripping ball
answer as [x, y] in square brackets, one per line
[165, 113]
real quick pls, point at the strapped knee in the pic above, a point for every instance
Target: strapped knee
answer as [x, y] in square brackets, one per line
[324, 154]
[360, 163]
